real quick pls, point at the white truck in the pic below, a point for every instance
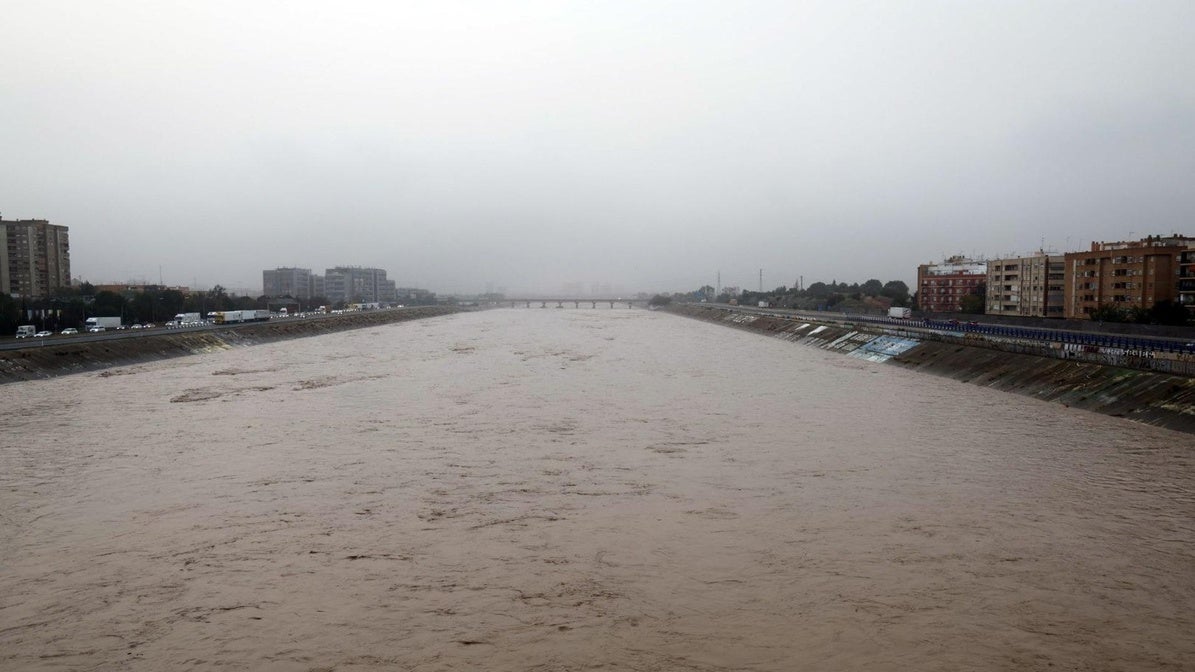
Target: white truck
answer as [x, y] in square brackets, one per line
[101, 323]
[26, 330]
[234, 316]
[900, 313]
[186, 318]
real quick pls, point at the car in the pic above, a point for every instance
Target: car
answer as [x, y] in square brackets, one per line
[43, 334]
[96, 330]
[136, 326]
[69, 331]
[148, 325]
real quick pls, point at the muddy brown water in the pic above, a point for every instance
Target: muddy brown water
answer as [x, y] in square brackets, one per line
[580, 489]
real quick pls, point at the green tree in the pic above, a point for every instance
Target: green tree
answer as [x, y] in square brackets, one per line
[895, 290]
[975, 302]
[109, 304]
[872, 287]
[1110, 312]
[972, 303]
[218, 299]
[10, 314]
[1164, 312]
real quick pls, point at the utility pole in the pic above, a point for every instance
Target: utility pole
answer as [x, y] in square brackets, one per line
[761, 281]
[718, 289]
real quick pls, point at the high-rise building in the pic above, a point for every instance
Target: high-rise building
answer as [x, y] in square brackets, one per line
[1027, 286]
[1186, 279]
[293, 282]
[353, 284]
[1128, 274]
[35, 258]
[941, 287]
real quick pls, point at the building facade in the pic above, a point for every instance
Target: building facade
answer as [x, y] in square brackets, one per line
[293, 282]
[941, 287]
[1128, 274]
[1032, 286]
[36, 258]
[353, 284]
[1186, 279]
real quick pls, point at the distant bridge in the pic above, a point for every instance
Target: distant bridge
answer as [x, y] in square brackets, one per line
[577, 303]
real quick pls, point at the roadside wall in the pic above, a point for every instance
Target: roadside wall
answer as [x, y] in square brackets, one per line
[1153, 398]
[58, 358]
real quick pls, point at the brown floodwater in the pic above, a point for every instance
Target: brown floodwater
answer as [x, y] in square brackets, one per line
[580, 489]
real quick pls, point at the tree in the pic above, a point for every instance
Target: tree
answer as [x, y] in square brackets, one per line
[872, 287]
[659, 300]
[109, 304]
[1164, 312]
[972, 303]
[172, 302]
[218, 299]
[10, 314]
[975, 302]
[1109, 312]
[896, 290]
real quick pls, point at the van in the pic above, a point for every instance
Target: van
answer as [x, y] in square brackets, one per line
[26, 330]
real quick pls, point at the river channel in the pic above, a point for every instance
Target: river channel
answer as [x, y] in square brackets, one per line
[540, 489]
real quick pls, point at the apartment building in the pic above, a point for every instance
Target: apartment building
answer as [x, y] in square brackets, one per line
[1032, 286]
[35, 258]
[354, 284]
[1186, 278]
[296, 283]
[1129, 274]
[941, 287]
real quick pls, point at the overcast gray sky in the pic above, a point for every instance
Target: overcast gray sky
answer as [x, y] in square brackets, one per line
[643, 145]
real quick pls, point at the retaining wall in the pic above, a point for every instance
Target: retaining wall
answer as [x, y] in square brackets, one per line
[62, 357]
[1161, 399]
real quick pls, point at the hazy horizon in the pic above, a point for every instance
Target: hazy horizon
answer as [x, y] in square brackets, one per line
[644, 146]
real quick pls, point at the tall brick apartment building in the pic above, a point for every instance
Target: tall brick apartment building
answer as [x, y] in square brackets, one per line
[1129, 274]
[35, 258]
[941, 287]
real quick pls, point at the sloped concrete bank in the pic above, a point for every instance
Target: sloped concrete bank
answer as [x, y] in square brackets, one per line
[1149, 397]
[58, 358]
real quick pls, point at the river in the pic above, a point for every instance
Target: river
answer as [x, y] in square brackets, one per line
[580, 489]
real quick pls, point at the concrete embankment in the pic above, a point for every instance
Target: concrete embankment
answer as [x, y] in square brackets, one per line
[61, 357]
[1161, 399]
